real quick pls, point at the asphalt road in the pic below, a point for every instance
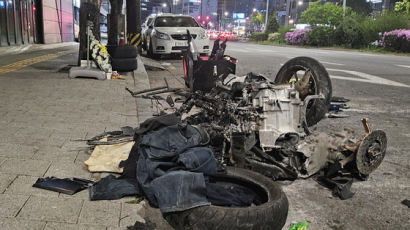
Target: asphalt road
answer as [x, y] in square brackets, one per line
[379, 88]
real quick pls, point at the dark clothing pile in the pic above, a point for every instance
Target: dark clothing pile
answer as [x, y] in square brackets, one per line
[169, 165]
[171, 168]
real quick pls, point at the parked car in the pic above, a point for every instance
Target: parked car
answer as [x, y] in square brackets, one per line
[144, 30]
[167, 34]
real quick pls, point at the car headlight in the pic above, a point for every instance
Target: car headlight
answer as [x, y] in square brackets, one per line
[161, 35]
[202, 35]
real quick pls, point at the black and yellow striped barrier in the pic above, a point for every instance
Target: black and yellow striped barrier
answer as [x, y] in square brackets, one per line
[134, 39]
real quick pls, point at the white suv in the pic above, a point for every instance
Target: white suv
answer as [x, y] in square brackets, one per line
[167, 34]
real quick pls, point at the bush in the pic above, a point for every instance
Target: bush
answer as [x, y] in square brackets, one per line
[320, 36]
[297, 37]
[258, 36]
[282, 31]
[274, 36]
[349, 33]
[273, 24]
[373, 28]
[397, 40]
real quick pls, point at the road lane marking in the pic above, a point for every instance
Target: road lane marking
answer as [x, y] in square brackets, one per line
[364, 77]
[404, 66]
[331, 63]
[26, 62]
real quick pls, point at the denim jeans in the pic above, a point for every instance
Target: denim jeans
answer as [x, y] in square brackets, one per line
[171, 168]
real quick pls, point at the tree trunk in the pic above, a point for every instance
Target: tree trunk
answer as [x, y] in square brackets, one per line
[116, 7]
[89, 11]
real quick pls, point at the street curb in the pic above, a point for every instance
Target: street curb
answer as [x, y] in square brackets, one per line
[141, 82]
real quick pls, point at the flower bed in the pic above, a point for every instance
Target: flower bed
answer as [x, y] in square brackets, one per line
[297, 37]
[397, 40]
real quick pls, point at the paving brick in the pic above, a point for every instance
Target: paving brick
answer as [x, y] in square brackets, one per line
[23, 185]
[54, 153]
[64, 226]
[130, 213]
[5, 181]
[14, 224]
[11, 204]
[25, 167]
[17, 150]
[100, 212]
[51, 209]
[64, 168]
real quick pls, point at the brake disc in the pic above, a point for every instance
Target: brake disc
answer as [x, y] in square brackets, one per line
[371, 152]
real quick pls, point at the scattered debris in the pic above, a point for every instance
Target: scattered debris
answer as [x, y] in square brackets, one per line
[299, 226]
[106, 158]
[116, 75]
[406, 202]
[66, 185]
[339, 99]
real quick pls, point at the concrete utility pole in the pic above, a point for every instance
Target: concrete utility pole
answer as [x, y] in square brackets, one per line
[89, 11]
[266, 15]
[344, 8]
[134, 22]
[115, 12]
[287, 12]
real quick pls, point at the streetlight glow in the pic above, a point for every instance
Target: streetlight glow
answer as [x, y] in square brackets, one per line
[254, 9]
[300, 3]
[291, 21]
[226, 13]
[164, 5]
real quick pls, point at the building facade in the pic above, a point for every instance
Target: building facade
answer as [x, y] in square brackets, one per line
[36, 21]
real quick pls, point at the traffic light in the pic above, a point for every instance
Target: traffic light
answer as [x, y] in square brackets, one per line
[207, 18]
[198, 17]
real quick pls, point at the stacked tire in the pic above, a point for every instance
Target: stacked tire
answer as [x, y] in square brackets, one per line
[123, 58]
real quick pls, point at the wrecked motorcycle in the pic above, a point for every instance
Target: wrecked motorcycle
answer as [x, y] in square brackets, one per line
[264, 125]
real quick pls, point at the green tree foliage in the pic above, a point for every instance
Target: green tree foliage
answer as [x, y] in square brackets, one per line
[349, 33]
[273, 24]
[403, 7]
[373, 28]
[360, 6]
[258, 18]
[321, 36]
[323, 14]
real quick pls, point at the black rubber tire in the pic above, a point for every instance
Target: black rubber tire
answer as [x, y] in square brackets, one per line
[270, 215]
[151, 53]
[124, 64]
[126, 51]
[318, 108]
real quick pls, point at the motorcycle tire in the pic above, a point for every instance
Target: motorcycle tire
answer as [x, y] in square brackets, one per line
[126, 51]
[322, 85]
[270, 214]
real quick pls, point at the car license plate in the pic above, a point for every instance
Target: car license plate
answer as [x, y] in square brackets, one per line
[184, 43]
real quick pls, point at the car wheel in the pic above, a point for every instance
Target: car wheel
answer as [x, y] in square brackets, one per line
[151, 51]
[319, 83]
[270, 213]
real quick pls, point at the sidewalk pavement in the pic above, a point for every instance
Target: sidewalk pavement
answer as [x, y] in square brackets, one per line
[42, 111]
